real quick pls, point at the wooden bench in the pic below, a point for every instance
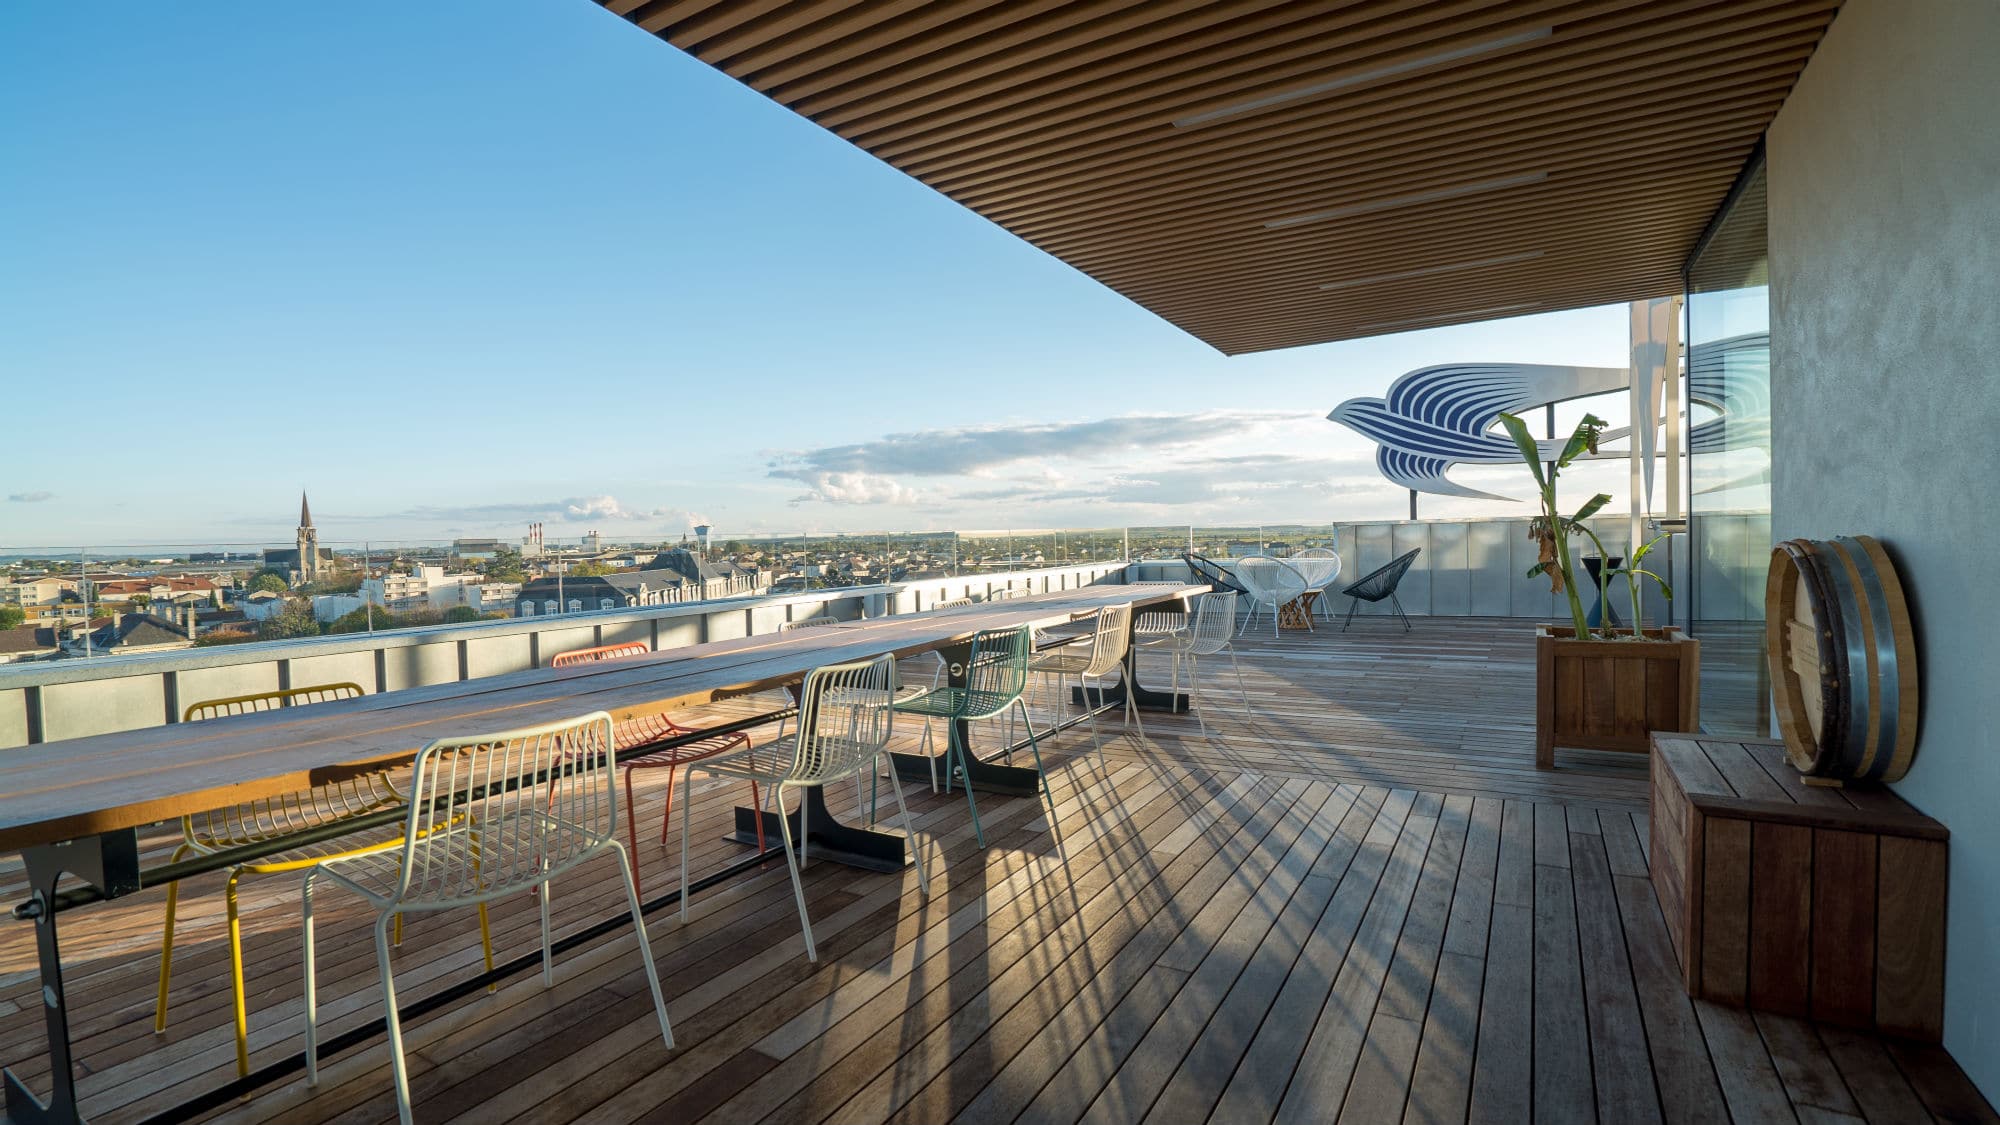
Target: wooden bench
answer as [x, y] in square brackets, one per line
[1819, 902]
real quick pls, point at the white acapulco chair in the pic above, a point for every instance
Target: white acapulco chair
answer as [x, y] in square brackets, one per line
[1210, 624]
[1093, 659]
[844, 724]
[490, 816]
[1319, 566]
[1271, 583]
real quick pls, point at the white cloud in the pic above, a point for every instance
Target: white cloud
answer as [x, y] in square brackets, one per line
[854, 488]
[31, 497]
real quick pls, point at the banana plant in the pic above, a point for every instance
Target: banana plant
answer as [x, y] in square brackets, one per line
[1551, 529]
[1633, 572]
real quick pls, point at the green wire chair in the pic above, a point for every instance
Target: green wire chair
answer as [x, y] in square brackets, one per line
[996, 673]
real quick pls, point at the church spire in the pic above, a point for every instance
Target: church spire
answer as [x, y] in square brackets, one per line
[305, 512]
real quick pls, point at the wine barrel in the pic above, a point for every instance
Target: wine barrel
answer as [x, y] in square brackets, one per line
[1843, 659]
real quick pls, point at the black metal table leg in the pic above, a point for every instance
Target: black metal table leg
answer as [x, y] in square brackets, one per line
[109, 862]
[812, 824]
[986, 777]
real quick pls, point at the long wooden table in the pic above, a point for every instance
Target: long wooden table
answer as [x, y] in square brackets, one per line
[75, 807]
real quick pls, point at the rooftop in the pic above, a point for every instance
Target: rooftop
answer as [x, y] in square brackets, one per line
[1359, 901]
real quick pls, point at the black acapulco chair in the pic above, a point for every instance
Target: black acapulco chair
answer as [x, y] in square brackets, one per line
[1381, 584]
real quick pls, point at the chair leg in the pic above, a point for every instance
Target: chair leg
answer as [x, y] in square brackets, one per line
[798, 885]
[956, 749]
[1131, 677]
[311, 982]
[236, 975]
[167, 948]
[1240, 686]
[394, 1021]
[548, 946]
[632, 815]
[645, 946]
[1194, 692]
[1352, 605]
[687, 783]
[666, 817]
[1398, 604]
[909, 826]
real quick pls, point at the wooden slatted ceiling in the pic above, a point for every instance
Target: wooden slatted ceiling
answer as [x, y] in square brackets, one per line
[1266, 174]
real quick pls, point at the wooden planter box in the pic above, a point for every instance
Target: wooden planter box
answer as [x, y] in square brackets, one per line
[1816, 902]
[1610, 695]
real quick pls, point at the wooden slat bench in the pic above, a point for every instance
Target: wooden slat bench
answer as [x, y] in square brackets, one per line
[1818, 902]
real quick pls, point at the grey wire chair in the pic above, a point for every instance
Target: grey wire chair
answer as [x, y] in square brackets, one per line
[490, 816]
[845, 719]
[1208, 632]
[1093, 659]
[1380, 584]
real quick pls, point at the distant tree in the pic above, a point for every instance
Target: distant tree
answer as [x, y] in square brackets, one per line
[504, 567]
[142, 600]
[459, 614]
[340, 582]
[590, 570]
[295, 620]
[11, 616]
[267, 582]
[359, 620]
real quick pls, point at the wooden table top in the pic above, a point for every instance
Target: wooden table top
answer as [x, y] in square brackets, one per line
[83, 786]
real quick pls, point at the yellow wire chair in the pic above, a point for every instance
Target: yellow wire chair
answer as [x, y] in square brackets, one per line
[270, 819]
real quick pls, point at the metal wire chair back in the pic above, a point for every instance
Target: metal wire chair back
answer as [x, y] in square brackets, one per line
[495, 811]
[1270, 581]
[602, 652]
[1382, 582]
[844, 719]
[1317, 565]
[998, 666]
[1214, 622]
[1112, 638]
[269, 817]
[807, 623]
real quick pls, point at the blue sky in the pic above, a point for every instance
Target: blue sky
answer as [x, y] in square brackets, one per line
[454, 271]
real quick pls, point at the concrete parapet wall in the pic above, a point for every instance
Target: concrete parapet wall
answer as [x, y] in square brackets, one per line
[54, 700]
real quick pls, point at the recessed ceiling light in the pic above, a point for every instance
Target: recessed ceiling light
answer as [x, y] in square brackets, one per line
[1469, 314]
[1432, 271]
[1358, 77]
[1406, 200]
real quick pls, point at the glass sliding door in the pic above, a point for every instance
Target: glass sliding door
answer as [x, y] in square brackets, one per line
[1729, 457]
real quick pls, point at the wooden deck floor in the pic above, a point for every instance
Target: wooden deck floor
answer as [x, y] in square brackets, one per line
[1360, 902]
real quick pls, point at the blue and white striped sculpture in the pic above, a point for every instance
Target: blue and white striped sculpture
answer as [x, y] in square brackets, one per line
[1437, 417]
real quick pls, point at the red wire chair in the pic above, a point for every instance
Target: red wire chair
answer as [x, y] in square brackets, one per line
[632, 736]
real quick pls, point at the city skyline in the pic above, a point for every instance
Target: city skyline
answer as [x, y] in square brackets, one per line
[426, 277]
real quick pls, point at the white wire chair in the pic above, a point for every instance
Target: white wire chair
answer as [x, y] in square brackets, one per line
[1319, 566]
[490, 816]
[1210, 625]
[845, 720]
[1271, 584]
[1106, 649]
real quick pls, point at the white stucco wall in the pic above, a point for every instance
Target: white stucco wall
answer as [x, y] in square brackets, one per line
[1884, 170]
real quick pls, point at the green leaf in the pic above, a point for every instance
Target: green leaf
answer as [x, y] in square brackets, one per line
[1530, 452]
[1538, 569]
[1647, 549]
[1666, 591]
[1591, 506]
